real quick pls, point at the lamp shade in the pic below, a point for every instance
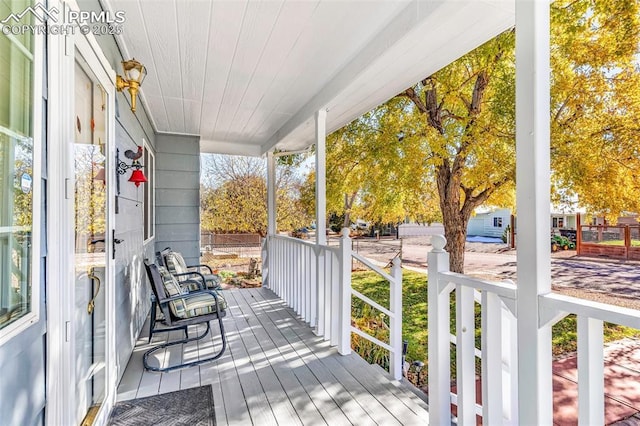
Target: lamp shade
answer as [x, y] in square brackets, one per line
[137, 177]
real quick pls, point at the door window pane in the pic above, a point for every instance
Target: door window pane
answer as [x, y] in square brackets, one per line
[16, 176]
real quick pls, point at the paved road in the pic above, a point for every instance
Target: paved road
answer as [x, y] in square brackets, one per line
[615, 282]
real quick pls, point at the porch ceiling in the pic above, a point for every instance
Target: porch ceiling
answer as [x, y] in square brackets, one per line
[247, 76]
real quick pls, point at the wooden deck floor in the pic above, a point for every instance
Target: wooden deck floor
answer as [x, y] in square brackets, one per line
[276, 371]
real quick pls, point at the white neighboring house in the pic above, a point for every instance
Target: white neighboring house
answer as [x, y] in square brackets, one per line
[489, 223]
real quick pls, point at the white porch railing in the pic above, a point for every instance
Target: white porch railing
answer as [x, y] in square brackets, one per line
[500, 385]
[590, 317]
[315, 281]
[498, 351]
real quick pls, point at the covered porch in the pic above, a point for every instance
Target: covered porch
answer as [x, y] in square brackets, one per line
[289, 356]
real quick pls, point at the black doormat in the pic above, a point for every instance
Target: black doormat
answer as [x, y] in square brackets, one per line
[185, 407]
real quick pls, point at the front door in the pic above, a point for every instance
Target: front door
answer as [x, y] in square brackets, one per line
[91, 232]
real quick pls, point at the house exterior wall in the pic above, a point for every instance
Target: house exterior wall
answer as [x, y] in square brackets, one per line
[484, 224]
[476, 225]
[178, 195]
[132, 298]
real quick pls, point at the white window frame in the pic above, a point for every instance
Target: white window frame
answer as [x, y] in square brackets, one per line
[33, 316]
[149, 220]
[497, 222]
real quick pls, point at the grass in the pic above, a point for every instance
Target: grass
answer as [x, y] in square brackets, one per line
[634, 243]
[414, 320]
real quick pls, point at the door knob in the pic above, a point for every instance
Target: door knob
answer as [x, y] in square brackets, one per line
[115, 241]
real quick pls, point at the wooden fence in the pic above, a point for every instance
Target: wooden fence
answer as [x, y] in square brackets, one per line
[616, 242]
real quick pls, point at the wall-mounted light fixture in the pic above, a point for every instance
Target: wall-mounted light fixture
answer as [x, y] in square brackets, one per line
[134, 73]
[137, 176]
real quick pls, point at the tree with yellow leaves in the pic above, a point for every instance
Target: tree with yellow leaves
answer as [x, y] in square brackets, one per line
[595, 104]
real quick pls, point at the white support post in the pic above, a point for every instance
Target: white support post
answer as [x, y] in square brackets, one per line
[271, 220]
[439, 352]
[271, 194]
[395, 332]
[323, 282]
[344, 313]
[590, 371]
[321, 178]
[533, 201]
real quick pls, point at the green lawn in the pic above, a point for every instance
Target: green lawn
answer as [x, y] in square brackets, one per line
[414, 319]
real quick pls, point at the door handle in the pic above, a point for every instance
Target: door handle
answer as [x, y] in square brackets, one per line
[115, 241]
[91, 305]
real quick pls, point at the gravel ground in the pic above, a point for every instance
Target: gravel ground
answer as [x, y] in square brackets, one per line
[601, 280]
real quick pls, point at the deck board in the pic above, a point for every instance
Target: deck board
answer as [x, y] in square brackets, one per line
[378, 383]
[276, 371]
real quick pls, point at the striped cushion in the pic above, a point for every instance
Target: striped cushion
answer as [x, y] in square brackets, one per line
[172, 288]
[203, 304]
[212, 280]
[175, 263]
[191, 307]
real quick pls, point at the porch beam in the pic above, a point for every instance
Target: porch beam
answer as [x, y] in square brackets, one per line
[271, 194]
[533, 201]
[321, 177]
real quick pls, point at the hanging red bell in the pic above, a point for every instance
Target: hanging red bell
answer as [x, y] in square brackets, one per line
[137, 177]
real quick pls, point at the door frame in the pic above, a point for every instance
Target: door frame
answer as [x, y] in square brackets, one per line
[61, 374]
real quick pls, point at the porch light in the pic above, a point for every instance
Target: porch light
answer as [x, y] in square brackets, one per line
[137, 176]
[134, 74]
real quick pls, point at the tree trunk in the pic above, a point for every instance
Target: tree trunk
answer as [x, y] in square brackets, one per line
[455, 216]
[348, 202]
[455, 231]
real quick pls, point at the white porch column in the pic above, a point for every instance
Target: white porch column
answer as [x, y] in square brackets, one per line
[271, 194]
[533, 201]
[321, 178]
[267, 246]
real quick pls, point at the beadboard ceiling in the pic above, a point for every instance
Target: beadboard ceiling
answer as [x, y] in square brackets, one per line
[247, 76]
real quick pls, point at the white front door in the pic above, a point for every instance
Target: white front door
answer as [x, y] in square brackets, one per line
[90, 237]
[81, 365]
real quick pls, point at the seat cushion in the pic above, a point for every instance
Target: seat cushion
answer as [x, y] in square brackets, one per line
[212, 280]
[203, 304]
[172, 288]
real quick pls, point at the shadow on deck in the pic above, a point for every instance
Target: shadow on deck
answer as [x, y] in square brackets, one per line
[276, 371]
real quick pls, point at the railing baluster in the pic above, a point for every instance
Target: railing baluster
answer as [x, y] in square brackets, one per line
[590, 371]
[288, 274]
[313, 288]
[299, 283]
[465, 355]
[321, 270]
[344, 294]
[294, 279]
[303, 283]
[491, 359]
[335, 304]
[330, 285]
[509, 365]
[307, 272]
[395, 323]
